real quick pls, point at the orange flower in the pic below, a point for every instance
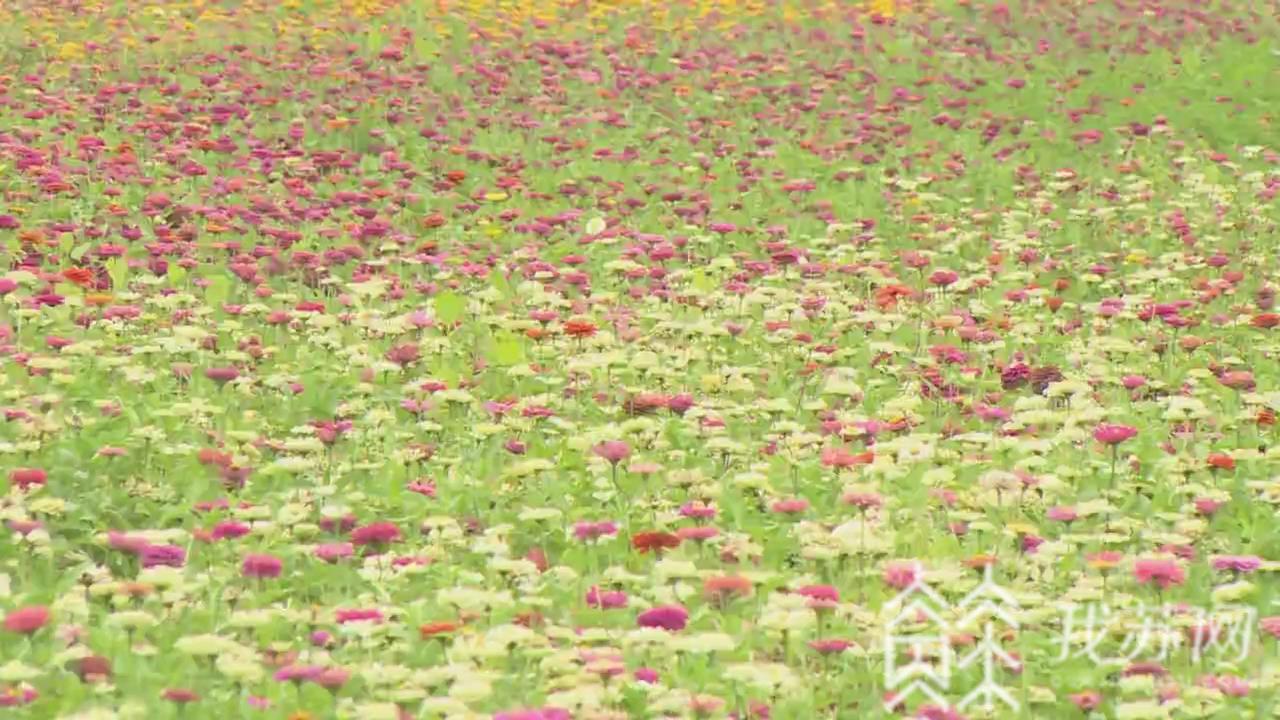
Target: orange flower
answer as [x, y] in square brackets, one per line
[1266, 417]
[721, 589]
[980, 562]
[436, 629]
[580, 328]
[80, 276]
[434, 220]
[97, 299]
[887, 296]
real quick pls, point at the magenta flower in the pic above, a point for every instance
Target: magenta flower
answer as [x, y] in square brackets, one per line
[606, 599]
[587, 530]
[1236, 563]
[379, 533]
[261, 566]
[668, 617]
[163, 555]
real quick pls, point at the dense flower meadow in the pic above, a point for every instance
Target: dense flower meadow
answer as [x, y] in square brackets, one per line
[558, 360]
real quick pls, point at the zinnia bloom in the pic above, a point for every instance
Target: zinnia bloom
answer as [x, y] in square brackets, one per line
[261, 566]
[1163, 572]
[615, 451]
[25, 478]
[653, 541]
[379, 533]
[26, 620]
[606, 599]
[667, 617]
[1110, 434]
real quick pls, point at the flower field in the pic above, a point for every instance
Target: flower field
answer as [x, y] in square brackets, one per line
[603, 360]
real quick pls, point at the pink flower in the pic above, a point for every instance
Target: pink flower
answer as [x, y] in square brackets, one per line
[26, 620]
[667, 617]
[1109, 434]
[261, 566]
[1208, 506]
[332, 678]
[648, 676]
[830, 646]
[863, 500]
[606, 599]
[132, 544]
[1087, 700]
[615, 451]
[1163, 572]
[821, 597]
[899, 575]
[15, 696]
[1062, 513]
[789, 506]
[344, 616]
[587, 530]
[333, 552]
[1237, 563]
[425, 488]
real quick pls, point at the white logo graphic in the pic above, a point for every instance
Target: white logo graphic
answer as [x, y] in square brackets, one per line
[1107, 635]
[920, 630]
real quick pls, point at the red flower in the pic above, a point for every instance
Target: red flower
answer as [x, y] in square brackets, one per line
[26, 620]
[1221, 461]
[1266, 321]
[24, 478]
[180, 696]
[654, 541]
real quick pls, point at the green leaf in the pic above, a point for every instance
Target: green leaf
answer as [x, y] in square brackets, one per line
[218, 291]
[507, 350]
[118, 271]
[450, 307]
[702, 282]
[176, 275]
[79, 251]
[500, 283]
